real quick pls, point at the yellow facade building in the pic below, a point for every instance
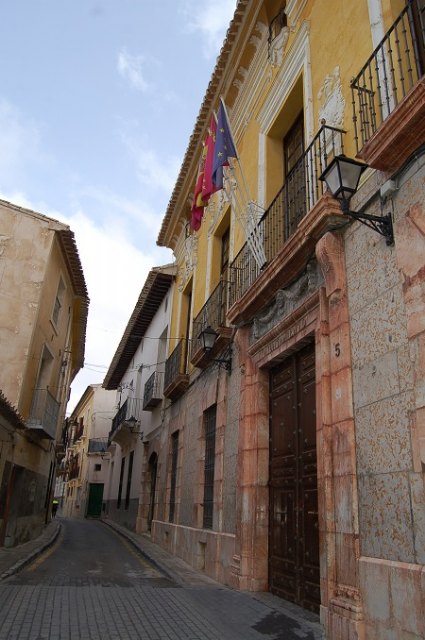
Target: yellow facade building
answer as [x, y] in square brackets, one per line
[295, 456]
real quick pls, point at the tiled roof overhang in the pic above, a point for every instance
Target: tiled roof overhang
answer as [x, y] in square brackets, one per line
[9, 414]
[75, 270]
[154, 290]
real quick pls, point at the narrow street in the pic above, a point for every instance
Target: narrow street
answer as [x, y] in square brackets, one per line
[92, 584]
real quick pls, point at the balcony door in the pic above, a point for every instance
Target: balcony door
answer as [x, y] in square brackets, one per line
[224, 276]
[418, 11]
[295, 194]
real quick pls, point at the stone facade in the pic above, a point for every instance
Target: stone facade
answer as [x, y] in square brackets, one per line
[337, 527]
[43, 316]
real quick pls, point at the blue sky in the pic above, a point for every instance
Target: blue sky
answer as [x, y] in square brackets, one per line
[98, 99]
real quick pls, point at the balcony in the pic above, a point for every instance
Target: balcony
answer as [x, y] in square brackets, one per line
[98, 445]
[79, 431]
[126, 422]
[297, 217]
[152, 395]
[176, 380]
[212, 314]
[73, 468]
[388, 94]
[43, 418]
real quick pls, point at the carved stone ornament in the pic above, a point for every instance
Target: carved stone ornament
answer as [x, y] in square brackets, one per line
[215, 209]
[190, 258]
[288, 299]
[277, 47]
[3, 243]
[330, 256]
[239, 81]
[331, 100]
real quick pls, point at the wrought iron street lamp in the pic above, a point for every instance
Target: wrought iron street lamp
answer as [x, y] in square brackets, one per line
[208, 337]
[342, 178]
[134, 426]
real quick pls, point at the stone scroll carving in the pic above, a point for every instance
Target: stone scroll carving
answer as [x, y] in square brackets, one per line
[331, 100]
[288, 299]
[330, 256]
[277, 48]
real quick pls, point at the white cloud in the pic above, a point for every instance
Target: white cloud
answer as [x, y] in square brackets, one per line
[117, 211]
[130, 67]
[158, 172]
[211, 19]
[19, 141]
[115, 271]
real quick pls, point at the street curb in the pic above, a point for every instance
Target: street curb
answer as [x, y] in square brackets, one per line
[32, 554]
[142, 552]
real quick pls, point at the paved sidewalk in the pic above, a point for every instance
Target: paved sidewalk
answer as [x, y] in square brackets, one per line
[12, 559]
[186, 576]
[174, 568]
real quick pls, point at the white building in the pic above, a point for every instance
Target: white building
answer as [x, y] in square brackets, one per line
[137, 374]
[87, 460]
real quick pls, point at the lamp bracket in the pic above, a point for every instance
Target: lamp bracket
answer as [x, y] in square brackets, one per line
[381, 224]
[225, 362]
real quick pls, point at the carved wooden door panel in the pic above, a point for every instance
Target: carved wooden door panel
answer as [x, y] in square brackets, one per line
[294, 535]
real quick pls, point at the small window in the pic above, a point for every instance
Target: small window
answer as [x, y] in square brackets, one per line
[209, 465]
[174, 455]
[97, 467]
[129, 477]
[120, 483]
[58, 301]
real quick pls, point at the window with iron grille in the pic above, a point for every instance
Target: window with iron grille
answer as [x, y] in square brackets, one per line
[130, 473]
[209, 463]
[174, 455]
[120, 484]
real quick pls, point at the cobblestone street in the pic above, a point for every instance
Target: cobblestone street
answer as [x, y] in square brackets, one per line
[93, 584]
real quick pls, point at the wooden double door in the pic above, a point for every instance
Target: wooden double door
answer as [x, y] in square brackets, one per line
[294, 534]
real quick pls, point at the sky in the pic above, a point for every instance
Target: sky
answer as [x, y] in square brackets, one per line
[98, 100]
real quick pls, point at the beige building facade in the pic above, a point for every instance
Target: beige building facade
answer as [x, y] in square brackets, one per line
[86, 464]
[292, 454]
[43, 317]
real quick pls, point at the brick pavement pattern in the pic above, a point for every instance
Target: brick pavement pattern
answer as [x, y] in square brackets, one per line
[156, 597]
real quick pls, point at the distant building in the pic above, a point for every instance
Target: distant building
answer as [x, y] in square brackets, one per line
[43, 317]
[137, 374]
[86, 464]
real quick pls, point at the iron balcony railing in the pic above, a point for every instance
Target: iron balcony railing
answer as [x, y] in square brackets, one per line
[175, 364]
[44, 412]
[153, 389]
[390, 73]
[131, 408]
[212, 314]
[73, 468]
[79, 430]
[300, 192]
[98, 445]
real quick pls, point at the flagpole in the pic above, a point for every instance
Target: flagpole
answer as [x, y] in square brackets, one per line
[243, 209]
[245, 186]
